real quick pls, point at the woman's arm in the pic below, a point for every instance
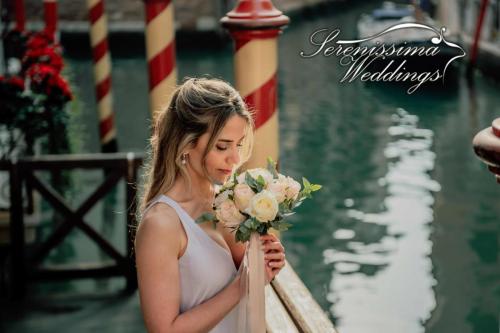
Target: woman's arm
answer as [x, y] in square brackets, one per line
[157, 248]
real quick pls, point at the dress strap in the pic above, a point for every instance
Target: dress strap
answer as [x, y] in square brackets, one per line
[178, 209]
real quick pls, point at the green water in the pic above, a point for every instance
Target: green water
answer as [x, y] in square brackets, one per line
[404, 235]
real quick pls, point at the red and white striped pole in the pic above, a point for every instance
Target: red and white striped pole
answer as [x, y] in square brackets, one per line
[50, 17]
[255, 26]
[102, 75]
[20, 15]
[160, 52]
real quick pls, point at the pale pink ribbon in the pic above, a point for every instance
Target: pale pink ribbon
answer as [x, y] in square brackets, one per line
[252, 306]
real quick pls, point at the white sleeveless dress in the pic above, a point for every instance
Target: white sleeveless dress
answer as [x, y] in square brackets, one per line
[205, 268]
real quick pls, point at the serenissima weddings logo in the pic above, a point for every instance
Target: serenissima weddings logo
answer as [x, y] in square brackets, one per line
[359, 56]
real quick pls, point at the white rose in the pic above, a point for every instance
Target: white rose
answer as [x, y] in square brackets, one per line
[263, 206]
[242, 196]
[228, 214]
[278, 188]
[255, 173]
[221, 197]
[293, 188]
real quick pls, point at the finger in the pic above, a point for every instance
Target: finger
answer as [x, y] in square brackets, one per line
[267, 238]
[275, 256]
[269, 272]
[276, 270]
[275, 264]
[271, 242]
[274, 246]
[270, 236]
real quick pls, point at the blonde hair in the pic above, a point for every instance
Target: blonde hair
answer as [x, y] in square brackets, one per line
[197, 106]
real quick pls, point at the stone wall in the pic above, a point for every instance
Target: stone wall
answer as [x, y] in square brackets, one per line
[190, 15]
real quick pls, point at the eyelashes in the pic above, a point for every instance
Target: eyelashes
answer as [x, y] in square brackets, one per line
[225, 148]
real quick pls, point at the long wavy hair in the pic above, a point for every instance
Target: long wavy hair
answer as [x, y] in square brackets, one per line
[197, 106]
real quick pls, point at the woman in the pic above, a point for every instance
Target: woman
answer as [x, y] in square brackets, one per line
[187, 272]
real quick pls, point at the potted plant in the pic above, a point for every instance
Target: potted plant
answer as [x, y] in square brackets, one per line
[33, 112]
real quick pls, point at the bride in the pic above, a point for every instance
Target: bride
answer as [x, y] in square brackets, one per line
[187, 272]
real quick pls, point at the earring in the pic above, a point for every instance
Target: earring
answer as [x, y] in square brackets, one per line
[183, 158]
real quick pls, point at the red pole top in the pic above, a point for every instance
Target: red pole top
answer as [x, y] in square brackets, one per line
[254, 14]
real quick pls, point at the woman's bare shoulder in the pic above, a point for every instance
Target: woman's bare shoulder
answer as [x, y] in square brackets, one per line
[160, 221]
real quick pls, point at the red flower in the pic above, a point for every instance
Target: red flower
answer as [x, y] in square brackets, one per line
[39, 73]
[17, 82]
[39, 39]
[47, 55]
[46, 80]
[14, 82]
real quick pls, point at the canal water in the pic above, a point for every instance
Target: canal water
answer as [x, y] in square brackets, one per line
[403, 237]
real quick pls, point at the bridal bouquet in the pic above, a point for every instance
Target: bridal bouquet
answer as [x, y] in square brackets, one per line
[257, 200]
[250, 203]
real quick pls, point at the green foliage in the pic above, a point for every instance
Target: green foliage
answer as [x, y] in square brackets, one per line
[208, 217]
[245, 229]
[257, 185]
[308, 189]
[34, 97]
[271, 167]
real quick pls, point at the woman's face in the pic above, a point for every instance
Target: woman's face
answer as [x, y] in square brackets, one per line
[224, 155]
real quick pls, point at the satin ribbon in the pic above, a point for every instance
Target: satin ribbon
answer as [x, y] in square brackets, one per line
[252, 306]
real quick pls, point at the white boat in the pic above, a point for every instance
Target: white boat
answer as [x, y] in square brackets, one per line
[407, 26]
[391, 14]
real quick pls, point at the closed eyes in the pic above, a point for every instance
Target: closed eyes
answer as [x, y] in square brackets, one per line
[225, 148]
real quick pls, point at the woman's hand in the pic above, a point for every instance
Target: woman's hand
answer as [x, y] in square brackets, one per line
[274, 255]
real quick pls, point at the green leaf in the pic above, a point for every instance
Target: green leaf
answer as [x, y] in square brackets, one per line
[261, 181]
[284, 207]
[244, 236]
[253, 183]
[284, 226]
[239, 236]
[271, 167]
[315, 187]
[206, 217]
[262, 228]
[306, 182]
[249, 179]
[298, 203]
[255, 223]
[248, 223]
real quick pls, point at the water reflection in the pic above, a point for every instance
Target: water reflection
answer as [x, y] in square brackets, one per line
[380, 265]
